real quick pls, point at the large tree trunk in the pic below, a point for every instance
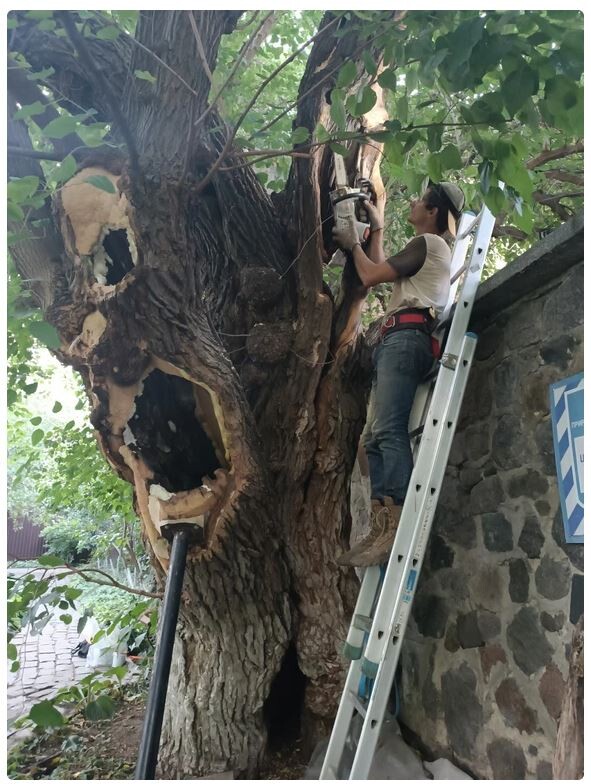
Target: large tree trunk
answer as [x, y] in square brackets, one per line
[206, 347]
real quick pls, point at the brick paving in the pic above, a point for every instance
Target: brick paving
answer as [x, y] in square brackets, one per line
[47, 665]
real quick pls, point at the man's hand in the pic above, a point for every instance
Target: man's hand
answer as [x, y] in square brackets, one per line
[373, 216]
[346, 238]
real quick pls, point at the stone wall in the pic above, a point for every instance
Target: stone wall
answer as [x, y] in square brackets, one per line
[485, 658]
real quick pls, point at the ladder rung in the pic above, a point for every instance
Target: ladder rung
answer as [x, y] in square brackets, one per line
[362, 622]
[358, 704]
[418, 431]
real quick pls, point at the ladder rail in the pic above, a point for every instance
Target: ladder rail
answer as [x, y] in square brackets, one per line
[405, 581]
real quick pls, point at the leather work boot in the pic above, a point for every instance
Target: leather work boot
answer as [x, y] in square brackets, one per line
[377, 551]
[377, 527]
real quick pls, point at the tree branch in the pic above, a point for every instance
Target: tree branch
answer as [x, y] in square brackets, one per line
[231, 137]
[200, 48]
[83, 573]
[553, 155]
[317, 84]
[239, 59]
[86, 59]
[564, 176]
[42, 155]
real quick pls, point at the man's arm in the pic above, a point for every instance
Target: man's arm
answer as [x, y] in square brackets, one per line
[402, 265]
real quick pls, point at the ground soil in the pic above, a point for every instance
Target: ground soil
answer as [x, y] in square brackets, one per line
[106, 750]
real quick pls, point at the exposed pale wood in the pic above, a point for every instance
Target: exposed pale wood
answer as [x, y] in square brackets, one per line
[568, 756]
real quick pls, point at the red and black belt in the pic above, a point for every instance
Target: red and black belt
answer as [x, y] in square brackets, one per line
[405, 319]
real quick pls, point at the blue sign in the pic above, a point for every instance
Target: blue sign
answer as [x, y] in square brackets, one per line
[567, 408]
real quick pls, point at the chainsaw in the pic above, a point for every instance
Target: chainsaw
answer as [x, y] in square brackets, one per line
[347, 202]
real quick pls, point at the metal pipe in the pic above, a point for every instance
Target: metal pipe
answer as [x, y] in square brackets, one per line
[148, 753]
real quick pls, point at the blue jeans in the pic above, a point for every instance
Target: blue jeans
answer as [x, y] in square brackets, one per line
[401, 361]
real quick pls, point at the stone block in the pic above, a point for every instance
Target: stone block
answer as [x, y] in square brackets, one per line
[441, 554]
[558, 351]
[545, 447]
[553, 623]
[553, 578]
[518, 581]
[574, 552]
[514, 708]
[468, 632]
[486, 495]
[524, 326]
[476, 442]
[531, 538]
[552, 688]
[452, 524]
[489, 656]
[508, 443]
[543, 507]
[470, 477]
[431, 614]
[563, 307]
[544, 771]
[527, 483]
[497, 532]
[462, 709]
[489, 624]
[488, 586]
[507, 760]
[490, 342]
[453, 583]
[528, 642]
[505, 381]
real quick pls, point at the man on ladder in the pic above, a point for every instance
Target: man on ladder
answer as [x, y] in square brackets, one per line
[421, 277]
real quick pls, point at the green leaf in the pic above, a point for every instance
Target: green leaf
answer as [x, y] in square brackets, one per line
[45, 333]
[450, 157]
[36, 421]
[337, 109]
[81, 623]
[434, 134]
[50, 560]
[12, 651]
[101, 182]
[518, 87]
[15, 666]
[495, 200]
[340, 149]
[22, 188]
[100, 709]
[65, 170]
[145, 75]
[434, 166]
[321, 134]
[388, 79]
[57, 407]
[402, 109]
[300, 135]
[485, 170]
[45, 715]
[108, 33]
[61, 126]
[37, 436]
[15, 212]
[347, 74]
[525, 220]
[29, 111]
[66, 618]
[370, 64]
[363, 102]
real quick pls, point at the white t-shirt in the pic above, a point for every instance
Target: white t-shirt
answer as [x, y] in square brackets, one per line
[428, 286]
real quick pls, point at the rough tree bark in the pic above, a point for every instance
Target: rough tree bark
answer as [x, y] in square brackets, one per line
[210, 346]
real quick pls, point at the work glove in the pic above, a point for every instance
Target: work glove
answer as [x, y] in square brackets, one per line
[345, 238]
[373, 216]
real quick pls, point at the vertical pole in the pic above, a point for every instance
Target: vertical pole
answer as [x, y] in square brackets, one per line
[148, 753]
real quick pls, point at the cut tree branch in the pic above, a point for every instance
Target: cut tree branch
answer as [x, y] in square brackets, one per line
[42, 155]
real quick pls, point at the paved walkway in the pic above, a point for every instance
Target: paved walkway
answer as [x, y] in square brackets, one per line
[47, 665]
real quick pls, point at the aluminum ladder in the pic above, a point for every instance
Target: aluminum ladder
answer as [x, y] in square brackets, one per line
[375, 635]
